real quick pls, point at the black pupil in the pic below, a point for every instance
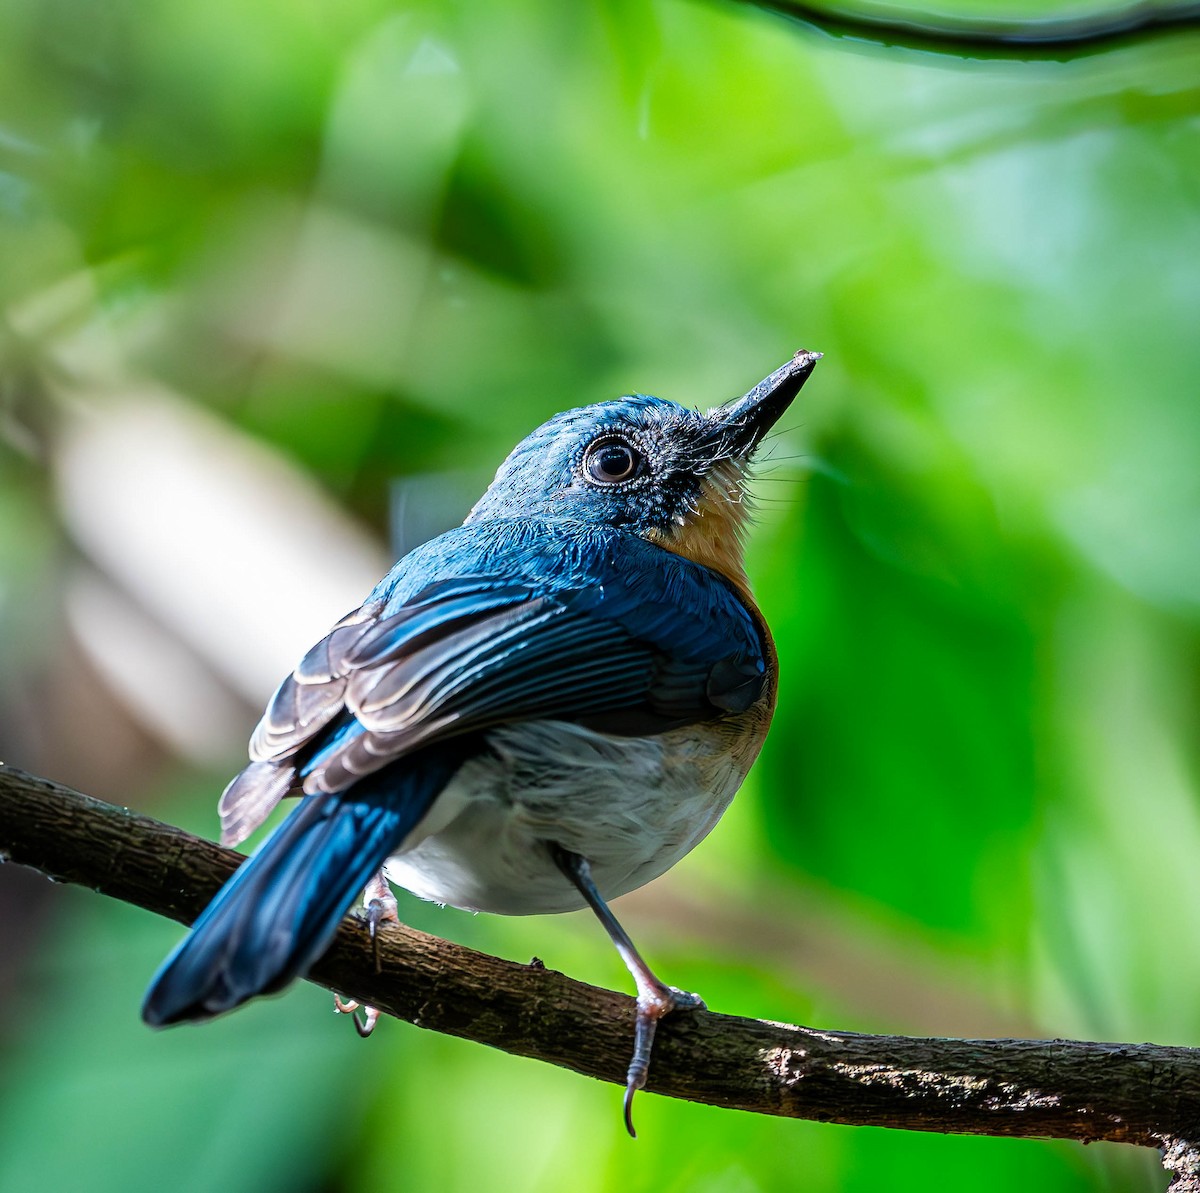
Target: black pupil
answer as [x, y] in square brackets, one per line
[614, 462]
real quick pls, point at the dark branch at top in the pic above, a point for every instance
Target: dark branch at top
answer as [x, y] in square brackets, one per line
[1052, 39]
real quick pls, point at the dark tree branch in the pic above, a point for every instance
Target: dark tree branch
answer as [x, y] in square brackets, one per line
[1053, 38]
[1128, 1093]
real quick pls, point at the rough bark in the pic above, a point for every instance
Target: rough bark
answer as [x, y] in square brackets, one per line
[1141, 1094]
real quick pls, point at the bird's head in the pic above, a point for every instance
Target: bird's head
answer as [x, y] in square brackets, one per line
[673, 476]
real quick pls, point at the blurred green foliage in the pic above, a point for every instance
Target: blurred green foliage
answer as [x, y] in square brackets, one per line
[383, 242]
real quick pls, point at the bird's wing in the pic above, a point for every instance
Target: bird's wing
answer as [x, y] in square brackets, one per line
[629, 644]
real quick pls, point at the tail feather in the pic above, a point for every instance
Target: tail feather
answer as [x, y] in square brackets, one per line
[280, 911]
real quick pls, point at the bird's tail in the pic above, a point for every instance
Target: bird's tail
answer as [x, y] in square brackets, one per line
[280, 911]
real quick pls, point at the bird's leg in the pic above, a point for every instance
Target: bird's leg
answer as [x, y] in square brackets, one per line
[380, 905]
[654, 998]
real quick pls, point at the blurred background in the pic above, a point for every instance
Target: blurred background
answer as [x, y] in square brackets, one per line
[281, 284]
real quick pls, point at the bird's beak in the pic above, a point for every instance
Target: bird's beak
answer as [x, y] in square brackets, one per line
[738, 426]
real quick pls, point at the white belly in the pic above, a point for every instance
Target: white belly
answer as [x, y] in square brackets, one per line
[633, 806]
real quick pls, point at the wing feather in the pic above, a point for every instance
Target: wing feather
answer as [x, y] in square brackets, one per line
[312, 695]
[642, 647]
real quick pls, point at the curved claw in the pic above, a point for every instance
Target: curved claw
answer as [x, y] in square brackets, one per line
[652, 1005]
[381, 906]
[377, 912]
[366, 1025]
[370, 1015]
[630, 1090]
[648, 1014]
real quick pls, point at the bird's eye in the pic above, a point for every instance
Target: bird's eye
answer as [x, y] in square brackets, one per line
[611, 461]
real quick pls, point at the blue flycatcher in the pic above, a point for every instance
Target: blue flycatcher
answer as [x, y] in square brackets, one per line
[540, 710]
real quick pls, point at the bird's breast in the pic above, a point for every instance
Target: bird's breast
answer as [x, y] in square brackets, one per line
[633, 806]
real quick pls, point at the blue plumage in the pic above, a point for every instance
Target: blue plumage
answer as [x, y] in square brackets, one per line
[279, 912]
[541, 709]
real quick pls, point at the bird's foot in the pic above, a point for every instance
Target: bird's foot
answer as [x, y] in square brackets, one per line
[379, 906]
[370, 1016]
[653, 1003]
[654, 998]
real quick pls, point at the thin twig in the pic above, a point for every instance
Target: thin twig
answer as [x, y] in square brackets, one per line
[1053, 38]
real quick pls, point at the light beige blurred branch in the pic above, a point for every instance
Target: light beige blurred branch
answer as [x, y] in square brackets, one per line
[1140, 1094]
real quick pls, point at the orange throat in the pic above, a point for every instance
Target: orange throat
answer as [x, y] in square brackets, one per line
[713, 533]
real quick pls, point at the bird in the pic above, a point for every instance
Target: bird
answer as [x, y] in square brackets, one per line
[537, 711]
